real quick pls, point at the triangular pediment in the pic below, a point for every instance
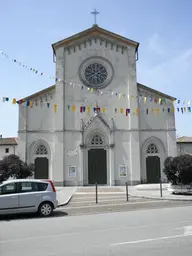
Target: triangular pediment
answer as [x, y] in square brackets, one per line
[97, 118]
[95, 31]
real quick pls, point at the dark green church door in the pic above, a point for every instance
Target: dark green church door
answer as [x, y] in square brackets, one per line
[41, 168]
[153, 169]
[97, 166]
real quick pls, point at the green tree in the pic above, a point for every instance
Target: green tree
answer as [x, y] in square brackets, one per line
[12, 166]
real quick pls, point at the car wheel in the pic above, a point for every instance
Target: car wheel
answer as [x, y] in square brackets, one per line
[46, 209]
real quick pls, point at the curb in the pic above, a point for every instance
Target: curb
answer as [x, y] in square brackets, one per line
[161, 198]
[67, 201]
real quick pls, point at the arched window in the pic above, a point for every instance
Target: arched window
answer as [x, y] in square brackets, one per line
[152, 149]
[41, 150]
[97, 141]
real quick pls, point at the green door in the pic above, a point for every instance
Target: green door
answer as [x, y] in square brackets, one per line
[97, 166]
[153, 169]
[41, 168]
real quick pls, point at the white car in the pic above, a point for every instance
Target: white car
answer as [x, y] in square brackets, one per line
[28, 196]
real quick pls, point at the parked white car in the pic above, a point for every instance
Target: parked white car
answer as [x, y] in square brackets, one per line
[28, 196]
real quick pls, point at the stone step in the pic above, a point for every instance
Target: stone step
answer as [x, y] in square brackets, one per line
[100, 190]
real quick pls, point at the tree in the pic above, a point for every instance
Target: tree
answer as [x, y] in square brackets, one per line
[178, 170]
[12, 166]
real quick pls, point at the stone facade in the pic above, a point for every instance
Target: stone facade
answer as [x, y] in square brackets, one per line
[67, 135]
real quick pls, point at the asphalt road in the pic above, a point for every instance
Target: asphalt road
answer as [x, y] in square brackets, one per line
[151, 232]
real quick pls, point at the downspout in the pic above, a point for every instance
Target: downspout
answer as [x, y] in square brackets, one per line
[64, 117]
[26, 129]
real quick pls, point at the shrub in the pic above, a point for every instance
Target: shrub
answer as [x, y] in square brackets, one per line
[178, 170]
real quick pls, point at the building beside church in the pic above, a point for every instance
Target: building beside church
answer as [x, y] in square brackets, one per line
[97, 124]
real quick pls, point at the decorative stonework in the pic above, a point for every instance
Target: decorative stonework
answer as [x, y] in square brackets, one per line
[41, 150]
[89, 41]
[152, 149]
[96, 72]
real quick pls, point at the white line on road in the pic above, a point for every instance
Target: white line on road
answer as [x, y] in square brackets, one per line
[93, 231]
[100, 200]
[108, 205]
[150, 240]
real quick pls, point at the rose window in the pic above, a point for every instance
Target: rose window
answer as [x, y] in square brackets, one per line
[95, 74]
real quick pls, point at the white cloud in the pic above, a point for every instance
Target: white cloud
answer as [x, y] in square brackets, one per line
[155, 44]
[169, 75]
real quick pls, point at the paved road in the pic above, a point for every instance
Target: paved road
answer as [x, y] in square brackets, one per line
[146, 232]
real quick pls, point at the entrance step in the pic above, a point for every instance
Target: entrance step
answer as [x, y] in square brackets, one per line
[100, 190]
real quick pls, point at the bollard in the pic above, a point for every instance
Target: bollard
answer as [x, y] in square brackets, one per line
[96, 191]
[127, 192]
[161, 192]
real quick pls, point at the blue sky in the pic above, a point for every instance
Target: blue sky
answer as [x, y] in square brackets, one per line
[28, 28]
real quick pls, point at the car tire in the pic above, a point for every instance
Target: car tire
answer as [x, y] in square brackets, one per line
[46, 209]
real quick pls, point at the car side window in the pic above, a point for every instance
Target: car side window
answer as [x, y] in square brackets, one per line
[41, 186]
[7, 189]
[26, 187]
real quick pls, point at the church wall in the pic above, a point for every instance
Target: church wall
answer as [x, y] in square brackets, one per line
[72, 157]
[164, 140]
[41, 117]
[154, 120]
[126, 150]
[124, 82]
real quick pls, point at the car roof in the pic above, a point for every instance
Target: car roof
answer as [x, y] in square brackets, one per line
[22, 180]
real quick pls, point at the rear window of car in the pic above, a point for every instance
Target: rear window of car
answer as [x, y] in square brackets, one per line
[41, 186]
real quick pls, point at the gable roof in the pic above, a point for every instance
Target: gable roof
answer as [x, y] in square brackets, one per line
[39, 93]
[184, 139]
[53, 87]
[8, 141]
[142, 86]
[94, 30]
[99, 116]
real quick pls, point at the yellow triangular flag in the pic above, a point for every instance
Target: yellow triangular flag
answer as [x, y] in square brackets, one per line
[88, 110]
[121, 110]
[14, 101]
[119, 97]
[132, 97]
[91, 89]
[159, 100]
[152, 110]
[137, 111]
[55, 107]
[145, 99]
[173, 110]
[73, 108]
[31, 103]
[103, 110]
[189, 102]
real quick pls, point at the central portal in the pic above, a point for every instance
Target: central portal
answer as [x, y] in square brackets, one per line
[97, 166]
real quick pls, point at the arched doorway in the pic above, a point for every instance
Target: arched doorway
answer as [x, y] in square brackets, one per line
[41, 162]
[153, 166]
[97, 161]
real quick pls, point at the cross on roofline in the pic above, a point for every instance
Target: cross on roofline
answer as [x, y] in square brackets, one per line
[95, 13]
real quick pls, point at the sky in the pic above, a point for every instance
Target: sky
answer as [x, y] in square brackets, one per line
[29, 28]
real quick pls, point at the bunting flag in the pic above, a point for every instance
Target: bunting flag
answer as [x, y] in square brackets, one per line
[118, 95]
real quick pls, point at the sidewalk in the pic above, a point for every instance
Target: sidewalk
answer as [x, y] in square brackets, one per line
[64, 195]
[152, 191]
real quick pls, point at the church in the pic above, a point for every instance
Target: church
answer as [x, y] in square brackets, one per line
[97, 124]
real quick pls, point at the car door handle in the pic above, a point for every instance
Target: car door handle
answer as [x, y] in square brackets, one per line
[14, 197]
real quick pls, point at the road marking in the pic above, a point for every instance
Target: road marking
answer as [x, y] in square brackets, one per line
[100, 193]
[150, 240]
[108, 205]
[93, 231]
[100, 200]
[188, 230]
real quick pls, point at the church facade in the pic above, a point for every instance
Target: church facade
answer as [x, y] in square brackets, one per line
[97, 124]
